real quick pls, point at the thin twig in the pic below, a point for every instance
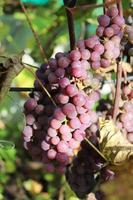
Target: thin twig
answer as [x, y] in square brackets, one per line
[118, 91]
[42, 52]
[70, 22]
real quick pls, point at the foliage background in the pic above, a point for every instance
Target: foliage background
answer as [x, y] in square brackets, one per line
[20, 177]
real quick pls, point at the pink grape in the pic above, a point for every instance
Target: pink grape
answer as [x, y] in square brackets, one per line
[100, 31]
[30, 104]
[55, 124]
[51, 132]
[59, 115]
[109, 54]
[45, 146]
[63, 99]
[116, 28]
[76, 64]
[112, 12]
[55, 140]
[93, 115]
[81, 44]
[109, 32]
[99, 48]
[64, 129]
[104, 20]
[95, 56]
[85, 64]
[70, 110]
[76, 72]
[71, 90]
[66, 136]
[85, 119]
[63, 62]
[80, 110]
[75, 123]
[30, 119]
[62, 146]
[78, 136]
[74, 144]
[27, 131]
[91, 42]
[51, 154]
[85, 54]
[104, 63]
[95, 65]
[59, 55]
[118, 20]
[79, 100]
[64, 82]
[109, 45]
[75, 55]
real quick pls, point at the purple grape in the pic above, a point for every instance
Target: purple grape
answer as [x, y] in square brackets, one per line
[116, 29]
[62, 158]
[91, 42]
[52, 63]
[81, 44]
[109, 32]
[30, 104]
[39, 109]
[52, 78]
[63, 62]
[104, 20]
[60, 72]
[100, 31]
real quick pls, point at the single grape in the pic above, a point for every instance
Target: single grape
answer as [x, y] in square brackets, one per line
[76, 72]
[59, 115]
[95, 56]
[30, 104]
[28, 131]
[75, 123]
[55, 140]
[85, 119]
[71, 90]
[74, 144]
[64, 82]
[39, 109]
[105, 63]
[109, 32]
[52, 78]
[75, 55]
[45, 146]
[100, 31]
[95, 65]
[85, 64]
[60, 72]
[63, 62]
[118, 20]
[113, 11]
[64, 129]
[69, 110]
[91, 42]
[99, 48]
[79, 100]
[62, 98]
[85, 54]
[52, 63]
[104, 20]
[55, 124]
[51, 154]
[51, 132]
[66, 137]
[81, 44]
[30, 119]
[62, 147]
[76, 64]
[116, 29]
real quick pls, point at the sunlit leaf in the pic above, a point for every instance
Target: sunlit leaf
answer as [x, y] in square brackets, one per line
[4, 144]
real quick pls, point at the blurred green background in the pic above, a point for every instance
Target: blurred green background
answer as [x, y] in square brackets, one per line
[20, 177]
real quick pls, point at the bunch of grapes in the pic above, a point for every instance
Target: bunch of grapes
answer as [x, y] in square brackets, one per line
[87, 171]
[126, 118]
[53, 133]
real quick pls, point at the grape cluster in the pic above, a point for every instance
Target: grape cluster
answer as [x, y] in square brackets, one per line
[55, 132]
[87, 170]
[126, 118]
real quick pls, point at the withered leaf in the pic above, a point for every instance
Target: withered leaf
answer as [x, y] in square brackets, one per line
[10, 67]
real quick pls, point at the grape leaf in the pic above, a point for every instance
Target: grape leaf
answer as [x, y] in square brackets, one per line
[113, 144]
[10, 67]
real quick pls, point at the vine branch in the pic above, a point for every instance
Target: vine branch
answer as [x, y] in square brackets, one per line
[42, 52]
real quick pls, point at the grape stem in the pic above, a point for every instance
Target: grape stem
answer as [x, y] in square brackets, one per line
[42, 52]
[70, 22]
[119, 74]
